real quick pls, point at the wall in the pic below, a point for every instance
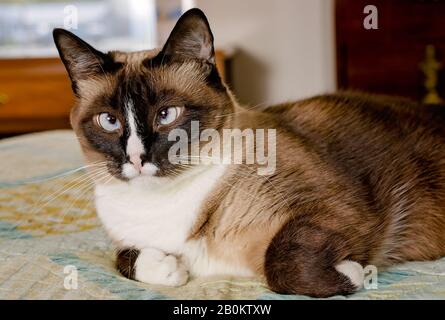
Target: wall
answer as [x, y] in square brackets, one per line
[283, 50]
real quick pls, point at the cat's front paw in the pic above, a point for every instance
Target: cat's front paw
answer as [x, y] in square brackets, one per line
[156, 267]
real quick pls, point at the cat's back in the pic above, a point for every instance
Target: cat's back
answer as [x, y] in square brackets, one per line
[359, 113]
[368, 136]
[360, 126]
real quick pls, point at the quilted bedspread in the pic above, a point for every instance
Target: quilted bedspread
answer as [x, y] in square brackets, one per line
[53, 247]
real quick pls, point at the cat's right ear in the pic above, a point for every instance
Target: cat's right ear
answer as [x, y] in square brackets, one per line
[81, 60]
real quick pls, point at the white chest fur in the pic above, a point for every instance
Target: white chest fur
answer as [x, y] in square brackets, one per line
[144, 213]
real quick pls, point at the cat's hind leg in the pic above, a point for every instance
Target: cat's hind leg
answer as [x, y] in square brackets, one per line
[152, 266]
[305, 259]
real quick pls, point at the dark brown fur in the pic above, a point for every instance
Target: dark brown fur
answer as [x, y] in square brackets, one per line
[125, 262]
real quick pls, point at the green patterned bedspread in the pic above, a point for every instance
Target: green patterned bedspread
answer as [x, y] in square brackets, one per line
[53, 247]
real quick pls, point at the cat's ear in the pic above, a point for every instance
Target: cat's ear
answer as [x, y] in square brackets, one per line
[191, 38]
[81, 60]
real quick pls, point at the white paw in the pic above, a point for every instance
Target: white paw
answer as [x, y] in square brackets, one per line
[353, 270]
[155, 267]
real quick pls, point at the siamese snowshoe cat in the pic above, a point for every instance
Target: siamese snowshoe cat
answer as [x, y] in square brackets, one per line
[359, 180]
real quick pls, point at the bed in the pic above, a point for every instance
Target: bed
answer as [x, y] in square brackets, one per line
[53, 247]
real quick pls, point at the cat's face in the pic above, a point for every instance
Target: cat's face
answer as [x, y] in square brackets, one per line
[127, 103]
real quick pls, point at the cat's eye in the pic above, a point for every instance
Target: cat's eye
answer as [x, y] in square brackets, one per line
[168, 115]
[108, 122]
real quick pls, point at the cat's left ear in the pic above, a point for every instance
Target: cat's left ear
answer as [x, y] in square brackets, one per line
[191, 38]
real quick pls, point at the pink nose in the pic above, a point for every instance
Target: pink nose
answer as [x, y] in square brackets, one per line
[135, 159]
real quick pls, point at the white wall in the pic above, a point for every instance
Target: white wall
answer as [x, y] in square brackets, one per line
[284, 49]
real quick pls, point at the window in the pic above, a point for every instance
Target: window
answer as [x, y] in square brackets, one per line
[26, 26]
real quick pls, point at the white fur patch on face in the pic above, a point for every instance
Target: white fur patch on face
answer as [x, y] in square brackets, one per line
[149, 169]
[135, 148]
[353, 270]
[129, 171]
[155, 267]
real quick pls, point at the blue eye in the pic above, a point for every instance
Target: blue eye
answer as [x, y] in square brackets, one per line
[169, 115]
[108, 122]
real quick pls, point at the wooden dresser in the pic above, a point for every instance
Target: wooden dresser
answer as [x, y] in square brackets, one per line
[388, 59]
[35, 94]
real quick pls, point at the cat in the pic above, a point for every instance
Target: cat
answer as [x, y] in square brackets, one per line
[359, 179]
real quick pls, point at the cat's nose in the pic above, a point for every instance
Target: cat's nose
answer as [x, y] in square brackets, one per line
[136, 161]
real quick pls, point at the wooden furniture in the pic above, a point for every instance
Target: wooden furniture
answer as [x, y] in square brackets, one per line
[389, 60]
[35, 94]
